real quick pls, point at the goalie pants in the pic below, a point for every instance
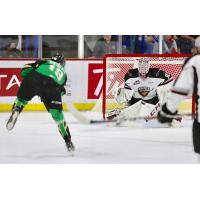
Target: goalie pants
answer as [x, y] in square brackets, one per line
[196, 136]
[153, 101]
[37, 84]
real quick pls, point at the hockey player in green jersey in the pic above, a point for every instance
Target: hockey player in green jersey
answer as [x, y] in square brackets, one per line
[46, 79]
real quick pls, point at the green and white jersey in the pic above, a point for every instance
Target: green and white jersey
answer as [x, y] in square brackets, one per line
[53, 70]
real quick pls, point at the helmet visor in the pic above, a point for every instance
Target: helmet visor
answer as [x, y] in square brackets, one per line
[143, 67]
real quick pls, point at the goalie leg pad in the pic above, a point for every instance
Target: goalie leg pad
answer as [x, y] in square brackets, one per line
[150, 110]
[131, 111]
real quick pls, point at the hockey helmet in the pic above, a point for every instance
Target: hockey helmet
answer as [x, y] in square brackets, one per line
[143, 67]
[59, 58]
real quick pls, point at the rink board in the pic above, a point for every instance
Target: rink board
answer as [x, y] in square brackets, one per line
[184, 107]
[85, 95]
[41, 107]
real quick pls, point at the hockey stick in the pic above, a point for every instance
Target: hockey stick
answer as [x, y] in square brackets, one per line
[82, 118]
[77, 114]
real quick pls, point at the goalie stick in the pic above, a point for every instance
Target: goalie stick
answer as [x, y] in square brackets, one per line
[78, 115]
[138, 118]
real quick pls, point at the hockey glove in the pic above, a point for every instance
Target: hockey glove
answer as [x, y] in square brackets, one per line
[165, 116]
[63, 91]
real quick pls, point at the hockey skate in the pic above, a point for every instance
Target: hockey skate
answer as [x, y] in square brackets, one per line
[176, 123]
[69, 144]
[13, 118]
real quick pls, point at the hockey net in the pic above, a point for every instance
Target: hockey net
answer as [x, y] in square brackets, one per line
[116, 66]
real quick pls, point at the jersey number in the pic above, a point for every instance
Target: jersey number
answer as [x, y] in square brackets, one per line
[59, 73]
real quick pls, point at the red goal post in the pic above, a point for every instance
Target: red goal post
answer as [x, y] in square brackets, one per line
[115, 66]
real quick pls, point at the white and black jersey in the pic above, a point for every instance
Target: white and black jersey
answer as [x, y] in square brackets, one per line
[186, 84]
[146, 88]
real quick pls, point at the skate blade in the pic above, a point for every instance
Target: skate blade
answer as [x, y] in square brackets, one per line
[12, 120]
[71, 152]
[70, 148]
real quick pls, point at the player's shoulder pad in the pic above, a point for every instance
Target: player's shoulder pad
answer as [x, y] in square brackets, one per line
[132, 73]
[196, 56]
[158, 73]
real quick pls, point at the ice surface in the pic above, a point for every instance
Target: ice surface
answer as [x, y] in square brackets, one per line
[35, 139]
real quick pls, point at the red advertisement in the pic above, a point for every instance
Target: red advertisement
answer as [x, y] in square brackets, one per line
[95, 80]
[10, 80]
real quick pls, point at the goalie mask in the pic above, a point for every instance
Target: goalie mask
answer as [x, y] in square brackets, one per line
[59, 58]
[143, 67]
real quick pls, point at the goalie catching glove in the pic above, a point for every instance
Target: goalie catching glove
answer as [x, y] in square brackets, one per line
[165, 115]
[123, 95]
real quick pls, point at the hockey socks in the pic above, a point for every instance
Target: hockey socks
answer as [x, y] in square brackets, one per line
[63, 128]
[19, 103]
[16, 109]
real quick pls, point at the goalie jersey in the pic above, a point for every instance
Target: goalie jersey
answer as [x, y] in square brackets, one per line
[145, 88]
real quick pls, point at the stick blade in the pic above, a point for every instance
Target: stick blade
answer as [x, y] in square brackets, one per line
[78, 115]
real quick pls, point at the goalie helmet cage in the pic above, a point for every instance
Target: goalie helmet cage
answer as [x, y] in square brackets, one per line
[115, 66]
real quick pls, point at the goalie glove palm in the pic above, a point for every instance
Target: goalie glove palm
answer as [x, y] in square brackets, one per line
[165, 115]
